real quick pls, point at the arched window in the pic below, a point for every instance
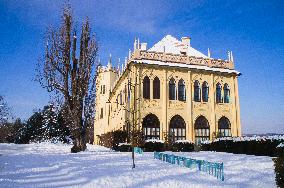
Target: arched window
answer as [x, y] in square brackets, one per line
[224, 127]
[196, 91]
[117, 101]
[205, 92]
[226, 93]
[156, 88]
[177, 128]
[172, 89]
[181, 90]
[146, 87]
[120, 98]
[125, 93]
[202, 131]
[151, 127]
[218, 93]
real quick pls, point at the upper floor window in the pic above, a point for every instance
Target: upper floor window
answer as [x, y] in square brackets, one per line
[196, 91]
[156, 88]
[125, 93]
[102, 113]
[226, 93]
[181, 90]
[104, 89]
[120, 98]
[117, 101]
[218, 93]
[205, 92]
[172, 89]
[146, 87]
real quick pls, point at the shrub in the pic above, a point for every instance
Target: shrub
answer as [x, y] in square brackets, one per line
[183, 145]
[112, 139]
[154, 145]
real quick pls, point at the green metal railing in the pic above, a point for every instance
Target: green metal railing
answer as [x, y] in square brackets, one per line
[212, 168]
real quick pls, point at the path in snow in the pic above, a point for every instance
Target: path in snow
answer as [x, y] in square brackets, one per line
[50, 165]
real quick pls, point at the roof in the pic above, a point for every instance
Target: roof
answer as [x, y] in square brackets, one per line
[170, 44]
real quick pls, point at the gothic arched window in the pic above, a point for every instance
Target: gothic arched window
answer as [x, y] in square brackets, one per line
[151, 127]
[120, 98]
[205, 92]
[181, 90]
[117, 101]
[196, 91]
[125, 93]
[202, 131]
[177, 128]
[172, 89]
[156, 88]
[146, 87]
[218, 93]
[224, 127]
[226, 93]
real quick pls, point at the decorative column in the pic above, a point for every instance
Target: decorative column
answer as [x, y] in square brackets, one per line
[164, 98]
[189, 121]
[212, 102]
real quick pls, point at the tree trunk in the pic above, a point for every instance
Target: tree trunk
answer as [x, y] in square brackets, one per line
[79, 143]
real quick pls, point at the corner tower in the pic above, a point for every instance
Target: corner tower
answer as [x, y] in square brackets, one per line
[105, 80]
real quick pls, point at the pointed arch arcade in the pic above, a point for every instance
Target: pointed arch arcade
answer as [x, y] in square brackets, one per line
[178, 128]
[224, 127]
[151, 127]
[202, 129]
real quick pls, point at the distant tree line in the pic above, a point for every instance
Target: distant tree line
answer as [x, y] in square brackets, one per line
[47, 124]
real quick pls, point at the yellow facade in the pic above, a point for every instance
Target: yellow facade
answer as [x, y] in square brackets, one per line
[177, 114]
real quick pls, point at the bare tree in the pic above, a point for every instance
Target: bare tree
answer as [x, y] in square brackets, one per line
[69, 76]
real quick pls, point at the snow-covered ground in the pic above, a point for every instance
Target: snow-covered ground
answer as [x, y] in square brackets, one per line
[52, 165]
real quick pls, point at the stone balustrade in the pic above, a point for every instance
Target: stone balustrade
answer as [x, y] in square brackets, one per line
[175, 58]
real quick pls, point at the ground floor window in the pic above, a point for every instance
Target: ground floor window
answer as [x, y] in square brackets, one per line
[177, 128]
[151, 127]
[201, 135]
[224, 127]
[201, 129]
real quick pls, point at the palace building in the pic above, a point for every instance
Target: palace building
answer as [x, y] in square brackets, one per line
[169, 89]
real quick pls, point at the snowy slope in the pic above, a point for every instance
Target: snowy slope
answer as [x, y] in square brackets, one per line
[50, 165]
[170, 44]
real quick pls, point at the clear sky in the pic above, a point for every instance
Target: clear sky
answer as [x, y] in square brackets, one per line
[253, 30]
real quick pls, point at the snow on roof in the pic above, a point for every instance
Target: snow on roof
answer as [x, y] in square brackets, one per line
[200, 67]
[170, 44]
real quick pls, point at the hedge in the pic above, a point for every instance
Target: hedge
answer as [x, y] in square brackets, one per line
[153, 145]
[262, 146]
[184, 146]
[279, 165]
[124, 147]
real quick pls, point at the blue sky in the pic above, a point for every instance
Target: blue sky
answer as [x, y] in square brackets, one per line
[253, 30]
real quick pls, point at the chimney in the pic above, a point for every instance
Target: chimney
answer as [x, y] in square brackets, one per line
[143, 46]
[185, 41]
